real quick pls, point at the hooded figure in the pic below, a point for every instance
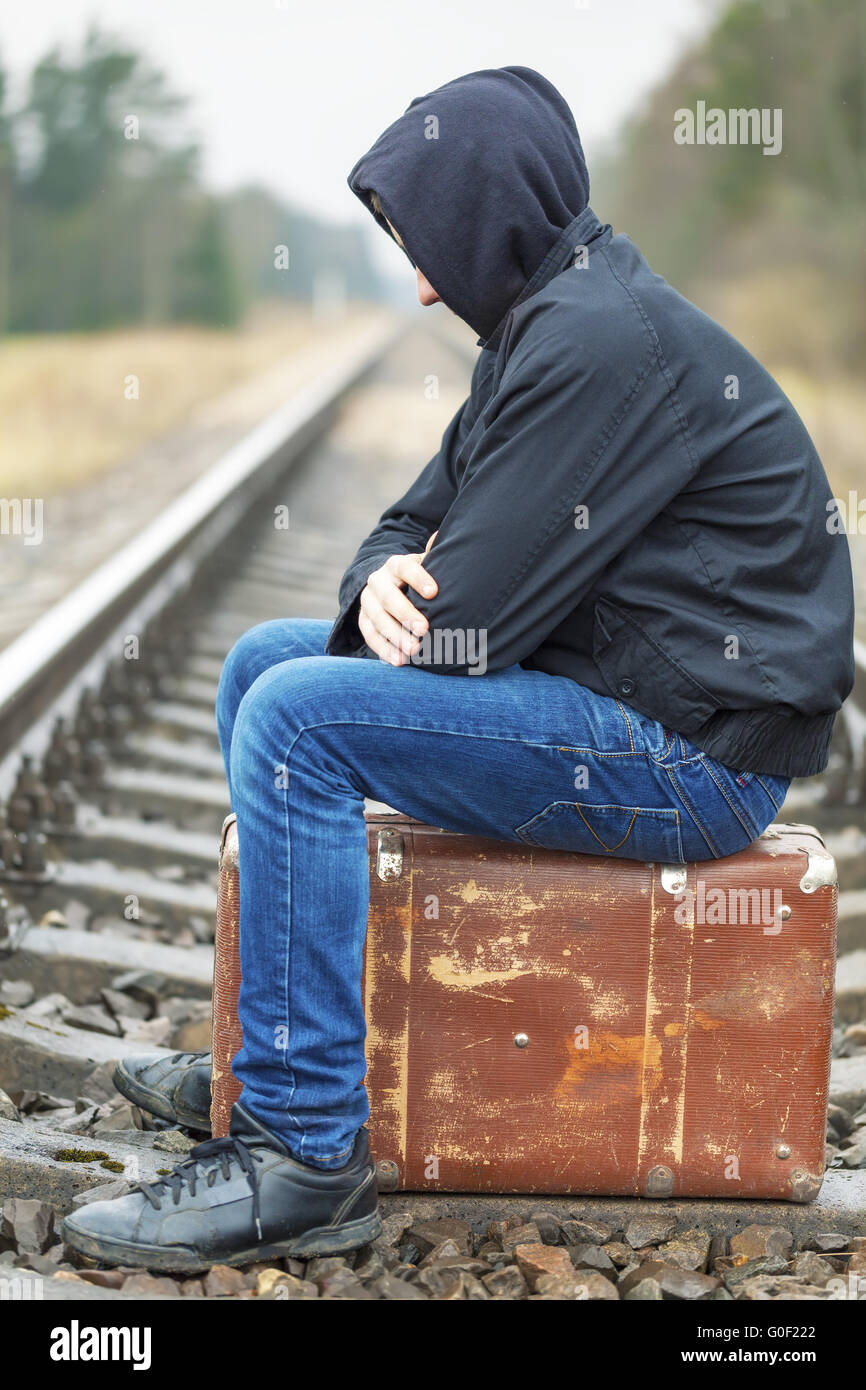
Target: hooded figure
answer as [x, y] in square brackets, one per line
[626, 504]
[626, 498]
[498, 156]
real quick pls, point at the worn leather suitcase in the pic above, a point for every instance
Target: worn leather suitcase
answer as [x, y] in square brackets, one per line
[541, 1021]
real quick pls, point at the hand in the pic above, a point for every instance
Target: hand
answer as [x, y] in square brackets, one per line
[388, 621]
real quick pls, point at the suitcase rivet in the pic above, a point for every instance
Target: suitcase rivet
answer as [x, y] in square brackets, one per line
[660, 1181]
[387, 1175]
[784, 912]
[804, 1186]
[521, 1039]
[783, 1151]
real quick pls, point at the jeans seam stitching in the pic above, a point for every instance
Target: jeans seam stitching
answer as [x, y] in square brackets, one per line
[597, 752]
[758, 779]
[711, 845]
[664, 811]
[288, 970]
[608, 849]
[427, 729]
[628, 723]
[749, 829]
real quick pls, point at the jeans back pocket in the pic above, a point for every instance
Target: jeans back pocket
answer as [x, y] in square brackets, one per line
[623, 832]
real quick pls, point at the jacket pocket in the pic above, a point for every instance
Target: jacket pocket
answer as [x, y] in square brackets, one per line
[635, 669]
[623, 832]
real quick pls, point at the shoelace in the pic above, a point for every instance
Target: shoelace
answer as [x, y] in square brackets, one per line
[205, 1161]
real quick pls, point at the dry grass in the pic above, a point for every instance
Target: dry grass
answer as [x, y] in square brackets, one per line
[834, 412]
[64, 402]
[795, 318]
[66, 419]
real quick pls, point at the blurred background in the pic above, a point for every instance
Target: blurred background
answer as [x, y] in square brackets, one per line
[182, 262]
[179, 251]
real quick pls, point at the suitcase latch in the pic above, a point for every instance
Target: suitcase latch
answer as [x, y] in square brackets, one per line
[389, 854]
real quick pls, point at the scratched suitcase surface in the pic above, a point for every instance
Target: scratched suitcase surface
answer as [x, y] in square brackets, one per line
[548, 1022]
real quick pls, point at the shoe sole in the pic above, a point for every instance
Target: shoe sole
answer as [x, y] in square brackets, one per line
[154, 1103]
[322, 1240]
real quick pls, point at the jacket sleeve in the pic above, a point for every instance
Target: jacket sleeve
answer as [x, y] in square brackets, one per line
[581, 448]
[403, 529]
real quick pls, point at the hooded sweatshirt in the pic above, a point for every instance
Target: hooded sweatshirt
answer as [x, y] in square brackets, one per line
[498, 156]
[626, 498]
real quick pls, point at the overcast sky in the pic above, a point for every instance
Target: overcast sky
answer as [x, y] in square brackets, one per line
[290, 92]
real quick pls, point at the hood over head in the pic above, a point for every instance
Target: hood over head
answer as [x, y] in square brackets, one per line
[479, 178]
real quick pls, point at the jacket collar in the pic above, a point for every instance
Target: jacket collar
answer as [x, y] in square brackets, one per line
[584, 230]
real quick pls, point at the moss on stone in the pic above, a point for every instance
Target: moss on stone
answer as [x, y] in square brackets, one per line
[79, 1155]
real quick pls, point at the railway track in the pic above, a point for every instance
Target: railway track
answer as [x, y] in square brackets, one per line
[112, 788]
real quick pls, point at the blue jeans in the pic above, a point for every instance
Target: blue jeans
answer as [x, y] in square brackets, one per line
[517, 755]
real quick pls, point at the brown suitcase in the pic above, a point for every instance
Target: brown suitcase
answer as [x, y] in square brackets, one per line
[540, 1021]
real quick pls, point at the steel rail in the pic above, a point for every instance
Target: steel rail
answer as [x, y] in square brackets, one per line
[44, 669]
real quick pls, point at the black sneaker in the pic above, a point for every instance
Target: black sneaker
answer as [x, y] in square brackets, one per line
[232, 1201]
[174, 1088]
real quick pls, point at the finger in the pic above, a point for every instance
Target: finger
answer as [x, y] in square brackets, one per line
[385, 624]
[430, 542]
[386, 589]
[377, 643]
[413, 573]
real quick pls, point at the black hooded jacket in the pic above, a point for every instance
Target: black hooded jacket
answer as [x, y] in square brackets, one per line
[627, 497]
